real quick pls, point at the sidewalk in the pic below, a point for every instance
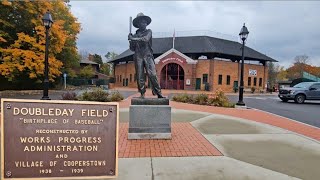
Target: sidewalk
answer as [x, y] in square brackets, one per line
[221, 143]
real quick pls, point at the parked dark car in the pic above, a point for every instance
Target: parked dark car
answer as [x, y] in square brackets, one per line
[301, 92]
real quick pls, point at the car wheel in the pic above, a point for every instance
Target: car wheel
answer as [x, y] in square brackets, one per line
[300, 98]
[284, 99]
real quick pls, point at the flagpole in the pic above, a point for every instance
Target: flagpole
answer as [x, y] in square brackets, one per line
[173, 38]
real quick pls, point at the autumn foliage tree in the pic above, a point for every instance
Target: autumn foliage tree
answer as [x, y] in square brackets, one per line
[22, 39]
[301, 65]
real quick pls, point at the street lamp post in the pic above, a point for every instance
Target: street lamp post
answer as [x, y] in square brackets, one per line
[243, 35]
[47, 22]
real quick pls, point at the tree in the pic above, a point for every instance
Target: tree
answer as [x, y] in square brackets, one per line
[282, 74]
[111, 55]
[23, 39]
[300, 65]
[87, 72]
[97, 58]
[69, 54]
[301, 59]
[105, 69]
[83, 54]
[272, 74]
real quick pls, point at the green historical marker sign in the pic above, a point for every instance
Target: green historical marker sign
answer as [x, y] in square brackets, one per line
[58, 139]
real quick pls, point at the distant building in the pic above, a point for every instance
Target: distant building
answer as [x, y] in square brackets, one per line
[197, 63]
[305, 77]
[95, 66]
[87, 62]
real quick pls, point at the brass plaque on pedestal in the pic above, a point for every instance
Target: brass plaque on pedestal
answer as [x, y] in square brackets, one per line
[58, 139]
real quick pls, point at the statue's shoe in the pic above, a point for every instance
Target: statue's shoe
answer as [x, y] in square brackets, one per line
[160, 96]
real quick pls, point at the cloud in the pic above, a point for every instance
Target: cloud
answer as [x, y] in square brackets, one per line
[280, 30]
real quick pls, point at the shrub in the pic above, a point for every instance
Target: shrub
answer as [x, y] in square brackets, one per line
[185, 98]
[253, 89]
[97, 94]
[216, 99]
[116, 96]
[220, 99]
[201, 99]
[69, 96]
[261, 90]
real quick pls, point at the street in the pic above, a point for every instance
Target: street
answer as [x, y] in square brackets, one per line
[308, 112]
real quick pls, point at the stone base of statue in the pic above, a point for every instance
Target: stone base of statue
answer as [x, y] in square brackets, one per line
[149, 118]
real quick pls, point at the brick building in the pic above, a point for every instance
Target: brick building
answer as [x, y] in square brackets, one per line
[197, 62]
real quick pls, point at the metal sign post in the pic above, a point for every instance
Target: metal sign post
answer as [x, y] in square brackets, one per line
[65, 80]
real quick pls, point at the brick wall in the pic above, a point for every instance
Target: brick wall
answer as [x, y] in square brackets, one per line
[202, 67]
[125, 70]
[213, 68]
[232, 69]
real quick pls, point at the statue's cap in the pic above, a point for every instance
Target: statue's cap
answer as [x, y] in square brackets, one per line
[139, 17]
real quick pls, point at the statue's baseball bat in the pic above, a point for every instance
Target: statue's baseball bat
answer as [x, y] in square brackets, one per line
[130, 24]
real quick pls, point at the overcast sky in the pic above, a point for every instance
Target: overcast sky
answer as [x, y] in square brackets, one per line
[280, 30]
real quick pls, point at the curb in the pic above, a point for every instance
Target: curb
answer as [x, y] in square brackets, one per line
[286, 118]
[299, 134]
[26, 92]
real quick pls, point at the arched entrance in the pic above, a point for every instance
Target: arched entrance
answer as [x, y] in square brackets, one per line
[172, 76]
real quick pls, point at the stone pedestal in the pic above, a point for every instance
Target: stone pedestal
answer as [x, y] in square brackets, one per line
[149, 119]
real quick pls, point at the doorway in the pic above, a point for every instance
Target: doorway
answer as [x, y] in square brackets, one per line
[198, 83]
[172, 76]
[235, 86]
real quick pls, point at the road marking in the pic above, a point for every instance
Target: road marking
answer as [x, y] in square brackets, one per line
[255, 98]
[262, 98]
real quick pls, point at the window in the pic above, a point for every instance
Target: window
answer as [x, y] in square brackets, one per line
[255, 81]
[220, 79]
[135, 77]
[204, 78]
[120, 78]
[228, 79]
[130, 77]
[249, 81]
[260, 82]
[317, 86]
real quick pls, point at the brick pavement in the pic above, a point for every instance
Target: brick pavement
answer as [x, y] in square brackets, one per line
[186, 141]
